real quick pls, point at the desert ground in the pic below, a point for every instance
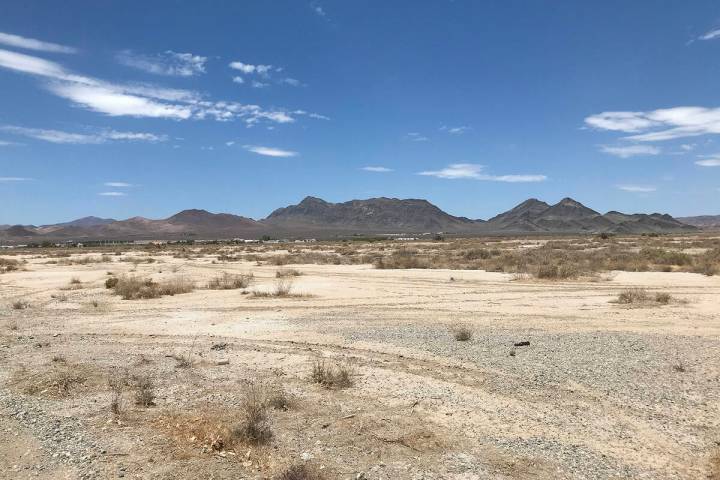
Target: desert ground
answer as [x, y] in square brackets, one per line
[349, 371]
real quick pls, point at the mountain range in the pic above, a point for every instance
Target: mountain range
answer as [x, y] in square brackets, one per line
[316, 217]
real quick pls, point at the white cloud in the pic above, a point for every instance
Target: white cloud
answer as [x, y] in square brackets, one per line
[14, 179]
[168, 63]
[102, 136]
[711, 35]
[377, 169]
[230, 143]
[112, 194]
[710, 162]
[318, 9]
[269, 151]
[688, 146]
[135, 100]
[118, 184]
[662, 124]
[416, 137]
[33, 44]
[475, 172]
[263, 71]
[249, 69]
[630, 150]
[3, 143]
[637, 188]
[454, 130]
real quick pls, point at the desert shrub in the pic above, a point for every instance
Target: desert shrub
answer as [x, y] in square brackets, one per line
[659, 256]
[111, 282]
[287, 272]
[8, 265]
[278, 399]
[401, 259]
[254, 428]
[20, 305]
[557, 271]
[299, 471]
[144, 391]
[337, 377]
[663, 298]
[134, 288]
[116, 383]
[283, 286]
[461, 332]
[228, 281]
[633, 295]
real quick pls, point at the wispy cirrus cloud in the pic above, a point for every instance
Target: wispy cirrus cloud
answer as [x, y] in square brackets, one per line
[118, 184]
[135, 100]
[474, 171]
[659, 125]
[32, 44]
[270, 151]
[636, 188]
[102, 136]
[265, 73]
[14, 179]
[627, 151]
[377, 169]
[709, 162]
[455, 130]
[167, 63]
[112, 194]
[416, 137]
[711, 35]
[4, 143]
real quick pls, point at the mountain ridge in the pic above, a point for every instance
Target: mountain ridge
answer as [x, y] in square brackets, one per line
[313, 216]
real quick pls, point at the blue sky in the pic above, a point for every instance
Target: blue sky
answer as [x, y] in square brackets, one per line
[132, 108]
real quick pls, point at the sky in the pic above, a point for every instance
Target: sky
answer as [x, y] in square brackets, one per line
[118, 109]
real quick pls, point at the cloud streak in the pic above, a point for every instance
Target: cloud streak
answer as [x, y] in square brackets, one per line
[112, 194]
[14, 179]
[636, 188]
[103, 136]
[710, 162]
[32, 44]
[475, 172]
[659, 125]
[135, 100]
[377, 169]
[270, 151]
[167, 63]
[628, 151]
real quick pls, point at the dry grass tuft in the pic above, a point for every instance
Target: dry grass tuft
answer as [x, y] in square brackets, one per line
[337, 377]
[462, 332]
[8, 265]
[20, 305]
[254, 428]
[715, 466]
[640, 296]
[135, 288]
[144, 390]
[300, 472]
[633, 296]
[287, 272]
[228, 281]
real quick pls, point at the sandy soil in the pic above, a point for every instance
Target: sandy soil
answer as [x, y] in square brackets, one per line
[603, 391]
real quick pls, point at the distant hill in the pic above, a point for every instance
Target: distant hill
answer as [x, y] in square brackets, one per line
[372, 215]
[571, 216]
[706, 222]
[316, 217]
[85, 222]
